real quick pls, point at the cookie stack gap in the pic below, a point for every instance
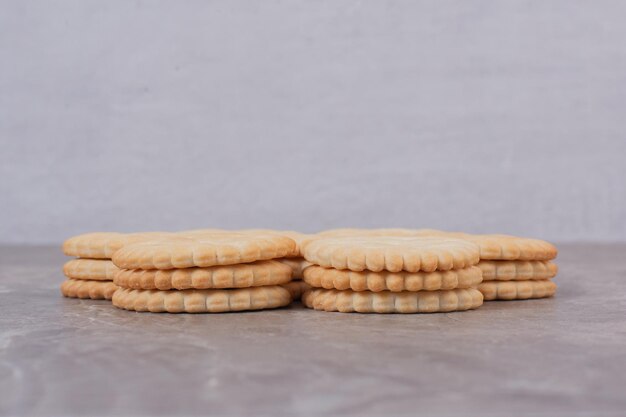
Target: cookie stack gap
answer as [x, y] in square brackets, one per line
[392, 274]
[91, 274]
[204, 273]
[297, 263]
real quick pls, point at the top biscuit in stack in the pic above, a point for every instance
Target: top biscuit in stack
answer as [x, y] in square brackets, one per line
[391, 274]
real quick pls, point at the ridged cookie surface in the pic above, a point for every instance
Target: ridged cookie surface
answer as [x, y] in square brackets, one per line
[495, 247]
[347, 301]
[517, 290]
[517, 270]
[202, 301]
[80, 288]
[254, 274]
[218, 249]
[93, 269]
[378, 253]
[296, 289]
[345, 279]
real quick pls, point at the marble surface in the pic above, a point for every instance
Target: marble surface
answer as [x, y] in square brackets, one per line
[561, 356]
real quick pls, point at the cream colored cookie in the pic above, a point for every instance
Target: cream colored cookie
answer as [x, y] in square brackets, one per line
[297, 265]
[517, 270]
[496, 247]
[93, 269]
[202, 301]
[80, 288]
[345, 279]
[254, 274]
[207, 250]
[504, 247]
[377, 253]
[517, 290]
[296, 289]
[347, 301]
[296, 236]
[102, 245]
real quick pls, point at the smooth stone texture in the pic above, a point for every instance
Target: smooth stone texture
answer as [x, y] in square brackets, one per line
[557, 356]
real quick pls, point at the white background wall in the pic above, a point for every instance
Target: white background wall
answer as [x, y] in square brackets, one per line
[475, 115]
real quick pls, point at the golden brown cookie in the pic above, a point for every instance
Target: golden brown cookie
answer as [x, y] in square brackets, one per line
[296, 236]
[495, 247]
[254, 274]
[80, 288]
[297, 265]
[517, 290]
[504, 247]
[517, 270]
[345, 279]
[202, 301]
[93, 269]
[296, 289]
[377, 253]
[347, 301]
[102, 245]
[203, 250]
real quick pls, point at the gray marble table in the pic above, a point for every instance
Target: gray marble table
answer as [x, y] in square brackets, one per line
[560, 356]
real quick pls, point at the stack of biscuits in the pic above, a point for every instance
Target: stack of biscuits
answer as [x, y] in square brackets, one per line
[91, 274]
[513, 268]
[516, 268]
[353, 272]
[204, 272]
[89, 278]
[360, 270]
